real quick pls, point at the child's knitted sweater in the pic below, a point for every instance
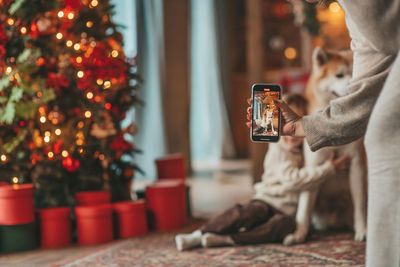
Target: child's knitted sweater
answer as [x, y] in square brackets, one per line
[284, 177]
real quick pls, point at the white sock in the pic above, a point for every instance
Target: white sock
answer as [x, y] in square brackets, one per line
[187, 241]
[213, 240]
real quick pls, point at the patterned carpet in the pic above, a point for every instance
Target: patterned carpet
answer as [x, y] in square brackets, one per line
[158, 249]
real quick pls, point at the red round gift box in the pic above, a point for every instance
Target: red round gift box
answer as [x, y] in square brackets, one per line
[131, 218]
[16, 204]
[172, 166]
[166, 202]
[55, 225]
[92, 197]
[94, 224]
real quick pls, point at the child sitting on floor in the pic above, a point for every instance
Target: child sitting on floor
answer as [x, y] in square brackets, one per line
[269, 216]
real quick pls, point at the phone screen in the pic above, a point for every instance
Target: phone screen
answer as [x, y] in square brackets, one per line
[265, 122]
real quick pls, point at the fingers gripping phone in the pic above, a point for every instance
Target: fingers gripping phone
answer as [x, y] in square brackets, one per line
[265, 123]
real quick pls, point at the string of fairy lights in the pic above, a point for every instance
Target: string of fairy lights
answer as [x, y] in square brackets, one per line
[51, 119]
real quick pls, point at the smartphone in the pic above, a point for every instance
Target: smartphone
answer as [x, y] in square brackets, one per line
[265, 124]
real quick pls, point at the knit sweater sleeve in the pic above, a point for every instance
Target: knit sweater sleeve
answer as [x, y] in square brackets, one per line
[296, 179]
[373, 27]
[346, 118]
[377, 20]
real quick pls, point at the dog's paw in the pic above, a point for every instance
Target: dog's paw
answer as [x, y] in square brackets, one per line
[360, 236]
[360, 230]
[293, 239]
[289, 240]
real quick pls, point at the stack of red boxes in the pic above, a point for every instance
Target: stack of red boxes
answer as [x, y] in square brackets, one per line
[166, 204]
[171, 167]
[55, 226]
[94, 217]
[130, 218]
[168, 197]
[17, 218]
[92, 198]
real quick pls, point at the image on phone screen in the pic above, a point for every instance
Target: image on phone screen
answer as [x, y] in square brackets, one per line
[265, 124]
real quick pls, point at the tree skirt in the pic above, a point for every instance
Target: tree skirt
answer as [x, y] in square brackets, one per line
[158, 249]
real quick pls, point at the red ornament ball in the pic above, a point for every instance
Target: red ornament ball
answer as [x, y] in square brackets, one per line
[281, 10]
[71, 164]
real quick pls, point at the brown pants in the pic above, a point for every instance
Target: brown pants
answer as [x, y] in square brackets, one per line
[253, 223]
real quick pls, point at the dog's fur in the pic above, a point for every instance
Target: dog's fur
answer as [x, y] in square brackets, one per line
[332, 205]
[266, 120]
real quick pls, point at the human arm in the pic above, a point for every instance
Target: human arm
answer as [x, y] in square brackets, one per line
[346, 118]
[298, 179]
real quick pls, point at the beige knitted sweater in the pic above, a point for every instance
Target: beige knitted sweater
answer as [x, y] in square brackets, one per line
[284, 177]
[375, 46]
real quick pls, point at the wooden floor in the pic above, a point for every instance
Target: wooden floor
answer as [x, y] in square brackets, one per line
[214, 188]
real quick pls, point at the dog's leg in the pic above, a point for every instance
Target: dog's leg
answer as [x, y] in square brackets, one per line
[358, 194]
[272, 126]
[304, 209]
[306, 201]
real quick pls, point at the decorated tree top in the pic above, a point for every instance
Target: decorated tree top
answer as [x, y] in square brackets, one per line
[65, 86]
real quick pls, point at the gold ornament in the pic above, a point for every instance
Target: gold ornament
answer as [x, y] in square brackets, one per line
[106, 129]
[56, 117]
[63, 62]
[45, 24]
[103, 129]
[37, 139]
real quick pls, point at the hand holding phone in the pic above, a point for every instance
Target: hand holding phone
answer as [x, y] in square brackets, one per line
[291, 121]
[265, 121]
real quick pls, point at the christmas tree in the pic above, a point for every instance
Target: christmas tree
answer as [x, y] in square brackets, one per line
[65, 87]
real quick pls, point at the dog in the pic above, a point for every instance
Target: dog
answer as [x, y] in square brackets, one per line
[265, 121]
[340, 202]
